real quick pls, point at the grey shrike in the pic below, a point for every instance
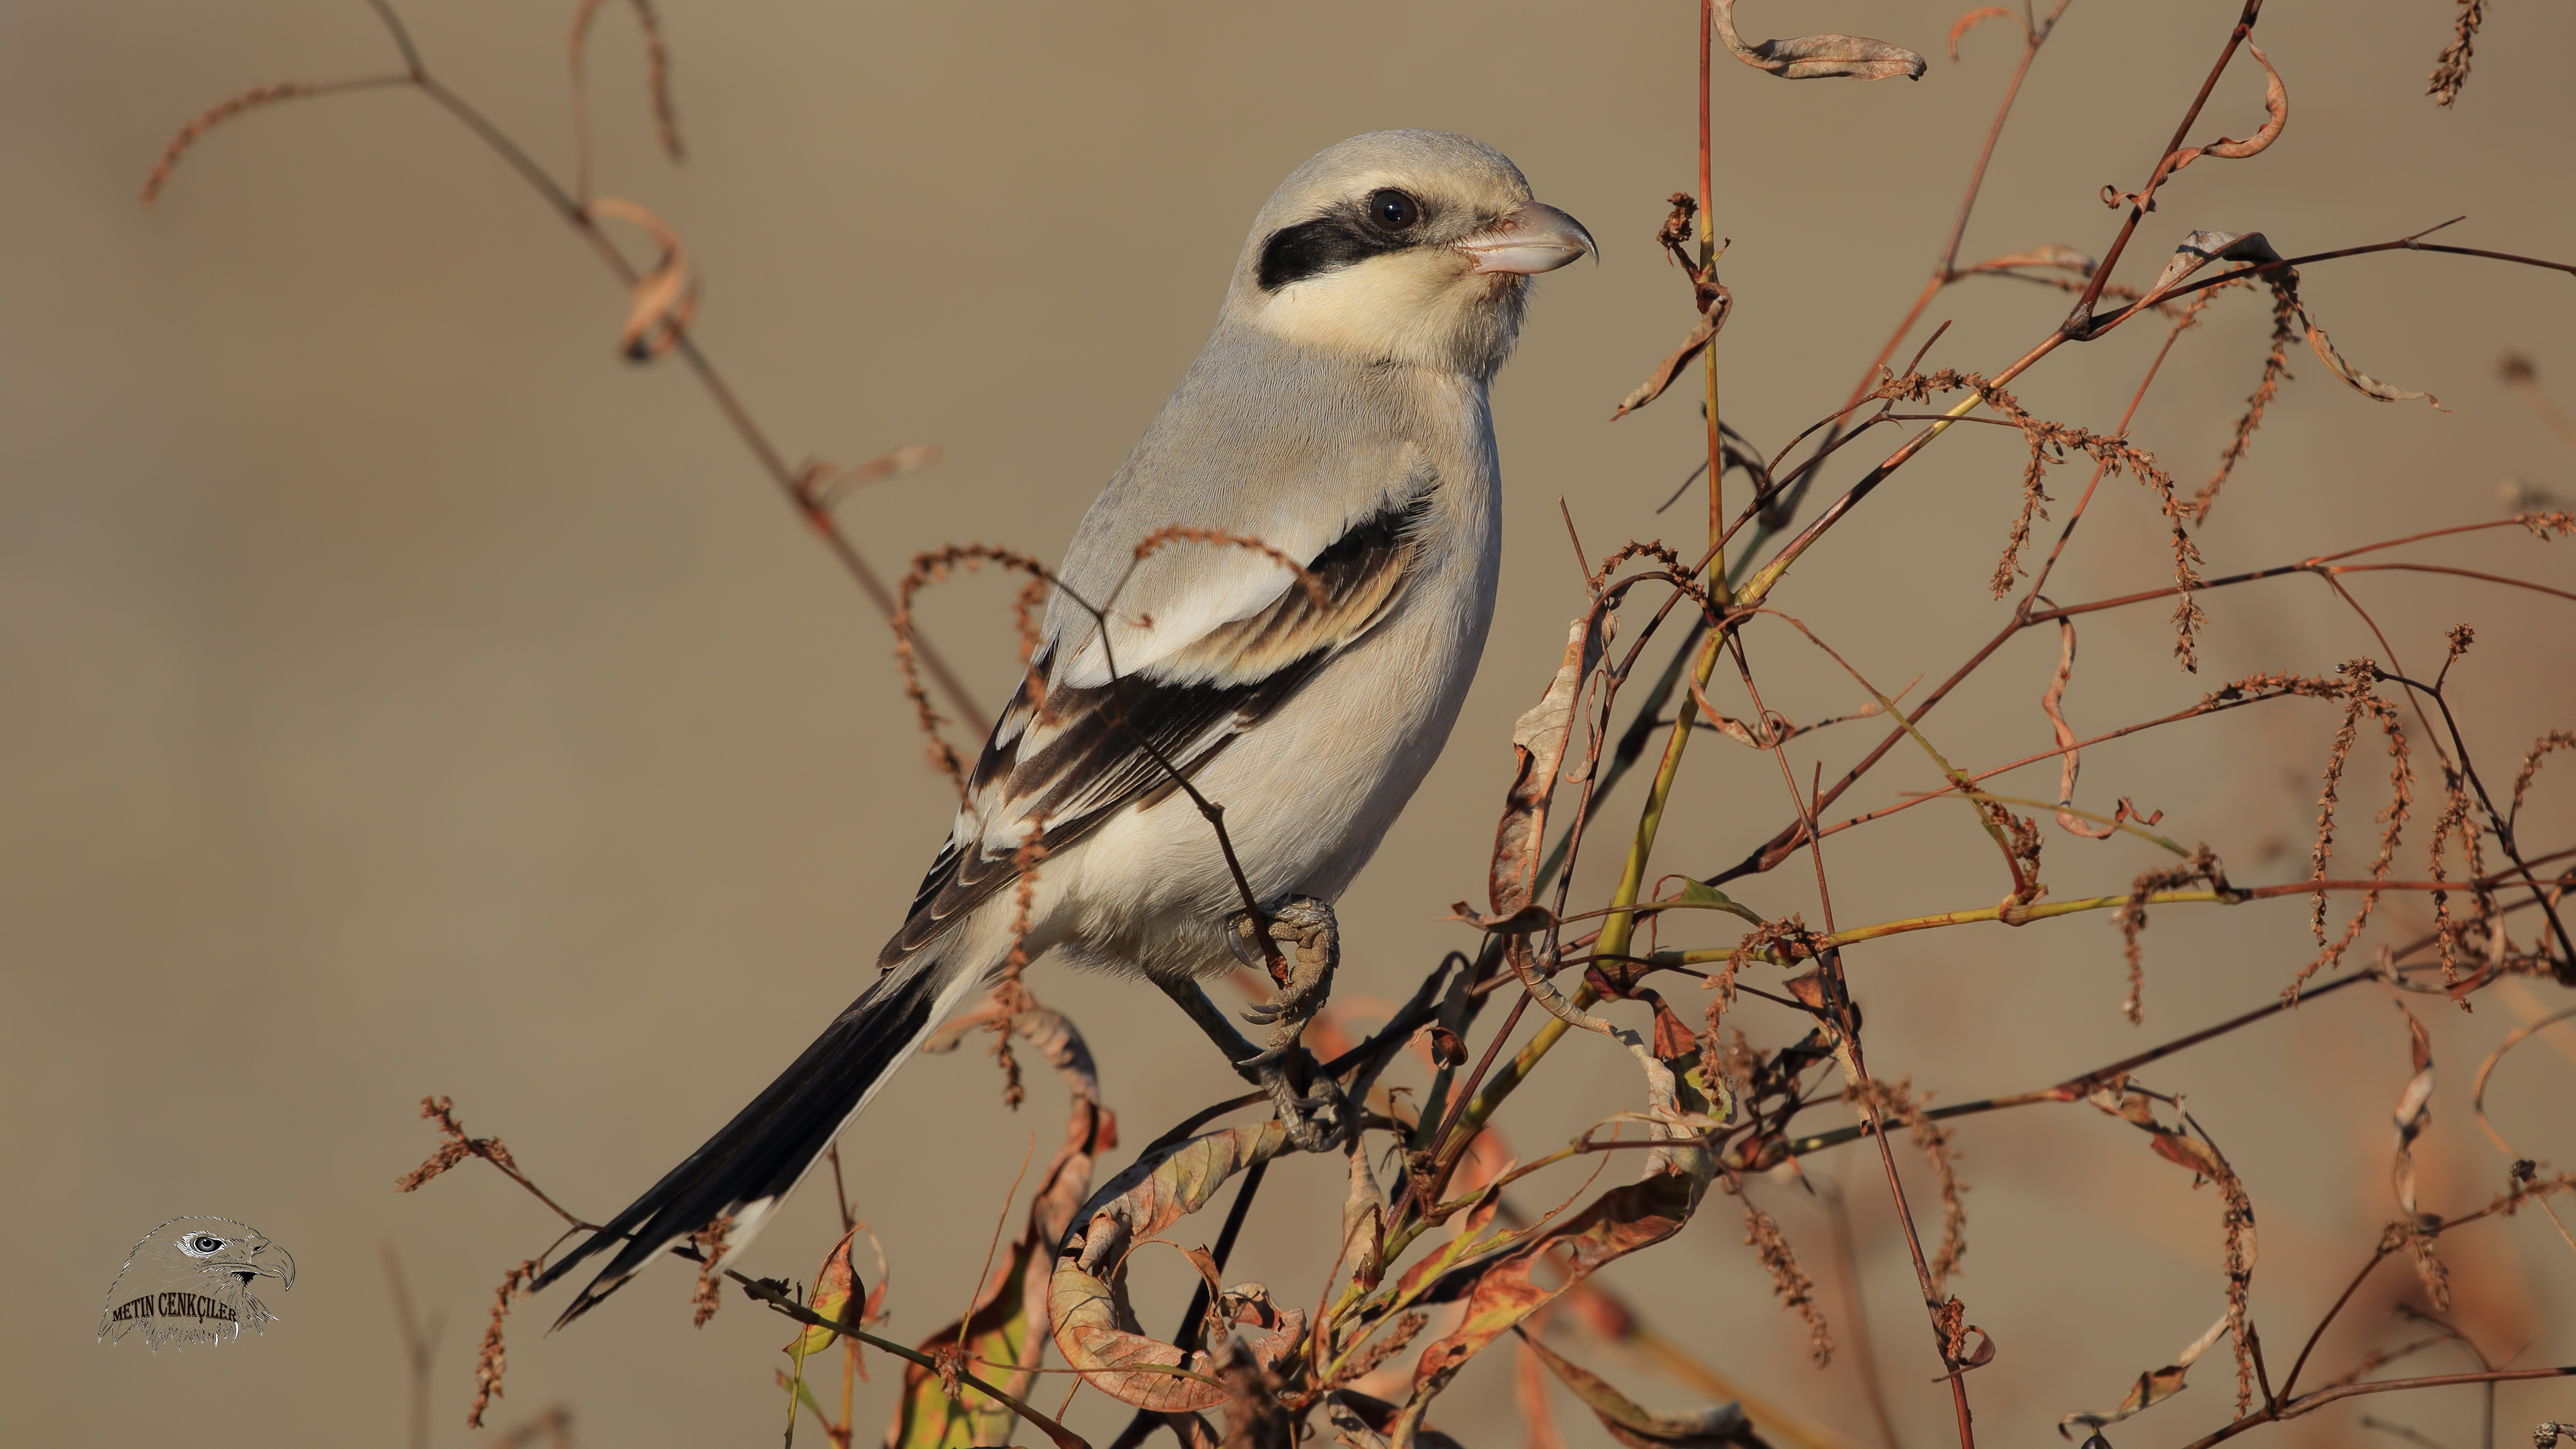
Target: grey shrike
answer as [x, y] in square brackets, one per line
[1337, 414]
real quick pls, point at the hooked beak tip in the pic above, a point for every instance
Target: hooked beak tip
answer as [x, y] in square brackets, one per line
[1535, 238]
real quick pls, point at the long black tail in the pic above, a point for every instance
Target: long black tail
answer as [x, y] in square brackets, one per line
[745, 1171]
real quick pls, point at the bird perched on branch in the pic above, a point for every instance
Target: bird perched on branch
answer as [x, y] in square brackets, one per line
[1202, 692]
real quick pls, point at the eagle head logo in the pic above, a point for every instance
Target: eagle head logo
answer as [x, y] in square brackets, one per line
[190, 1280]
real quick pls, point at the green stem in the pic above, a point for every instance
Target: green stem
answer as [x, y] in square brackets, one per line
[1616, 931]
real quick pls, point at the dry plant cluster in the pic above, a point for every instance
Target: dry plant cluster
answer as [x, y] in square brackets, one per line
[1444, 1266]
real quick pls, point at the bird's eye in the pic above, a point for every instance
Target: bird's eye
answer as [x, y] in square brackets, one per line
[205, 1243]
[1394, 210]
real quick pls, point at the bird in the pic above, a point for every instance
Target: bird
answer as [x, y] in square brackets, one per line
[1337, 419]
[189, 1280]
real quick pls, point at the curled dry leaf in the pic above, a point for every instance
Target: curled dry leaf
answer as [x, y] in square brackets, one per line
[1539, 740]
[2414, 1113]
[1818, 57]
[2276, 107]
[1092, 1330]
[664, 297]
[1702, 334]
[2203, 247]
[1975, 18]
[833, 1289]
[1643, 1428]
[2069, 764]
[1622, 1221]
[2360, 381]
[2153, 1387]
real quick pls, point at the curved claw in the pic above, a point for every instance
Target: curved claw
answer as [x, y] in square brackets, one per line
[1264, 1015]
[1271, 1057]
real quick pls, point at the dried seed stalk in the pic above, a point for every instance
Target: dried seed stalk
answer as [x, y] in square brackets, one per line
[2049, 443]
[2204, 868]
[934, 567]
[2362, 701]
[2276, 366]
[492, 1360]
[1898, 1103]
[1789, 1281]
[2451, 67]
[711, 1241]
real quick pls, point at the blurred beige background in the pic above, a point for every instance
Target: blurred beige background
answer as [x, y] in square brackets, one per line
[400, 694]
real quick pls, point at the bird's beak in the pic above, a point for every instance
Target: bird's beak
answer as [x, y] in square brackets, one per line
[1534, 238]
[271, 1261]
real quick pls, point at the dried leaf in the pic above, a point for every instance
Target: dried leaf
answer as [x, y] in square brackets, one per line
[1818, 57]
[1538, 746]
[1622, 1221]
[1091, 1326]
[2069, 764]
[2203, 247]
[2276, 107]
[659, 306]
[2414, 1113]
[2361, 382]
[1706, 330]
[2153, 1387]
[832, 1292]
[1972, 20]
[1642, 1428]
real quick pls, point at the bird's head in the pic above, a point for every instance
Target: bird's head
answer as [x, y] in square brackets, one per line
[1402, 246]
[214, 1256]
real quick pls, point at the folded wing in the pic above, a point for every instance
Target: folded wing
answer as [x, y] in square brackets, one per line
[1066, 757]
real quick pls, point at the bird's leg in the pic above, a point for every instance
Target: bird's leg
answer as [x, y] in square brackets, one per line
[1309, 941]
[1240, 1054]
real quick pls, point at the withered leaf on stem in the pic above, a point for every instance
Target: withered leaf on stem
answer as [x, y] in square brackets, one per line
[2361, 382]
[1622, 1221]
[2414, 1112]
[1538, 747]
[1818, 57]
[2276, 107]
[664, 296]
[1702, 334]
[2153, 1387]
[833, 1288]
[2203, 247]
[1642, 1428]
[1091, 1328]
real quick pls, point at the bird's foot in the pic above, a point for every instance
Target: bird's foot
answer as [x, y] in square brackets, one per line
[1315, 1124]
[1309, 943]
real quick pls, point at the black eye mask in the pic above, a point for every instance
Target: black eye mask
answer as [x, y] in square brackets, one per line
[1387, 220]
